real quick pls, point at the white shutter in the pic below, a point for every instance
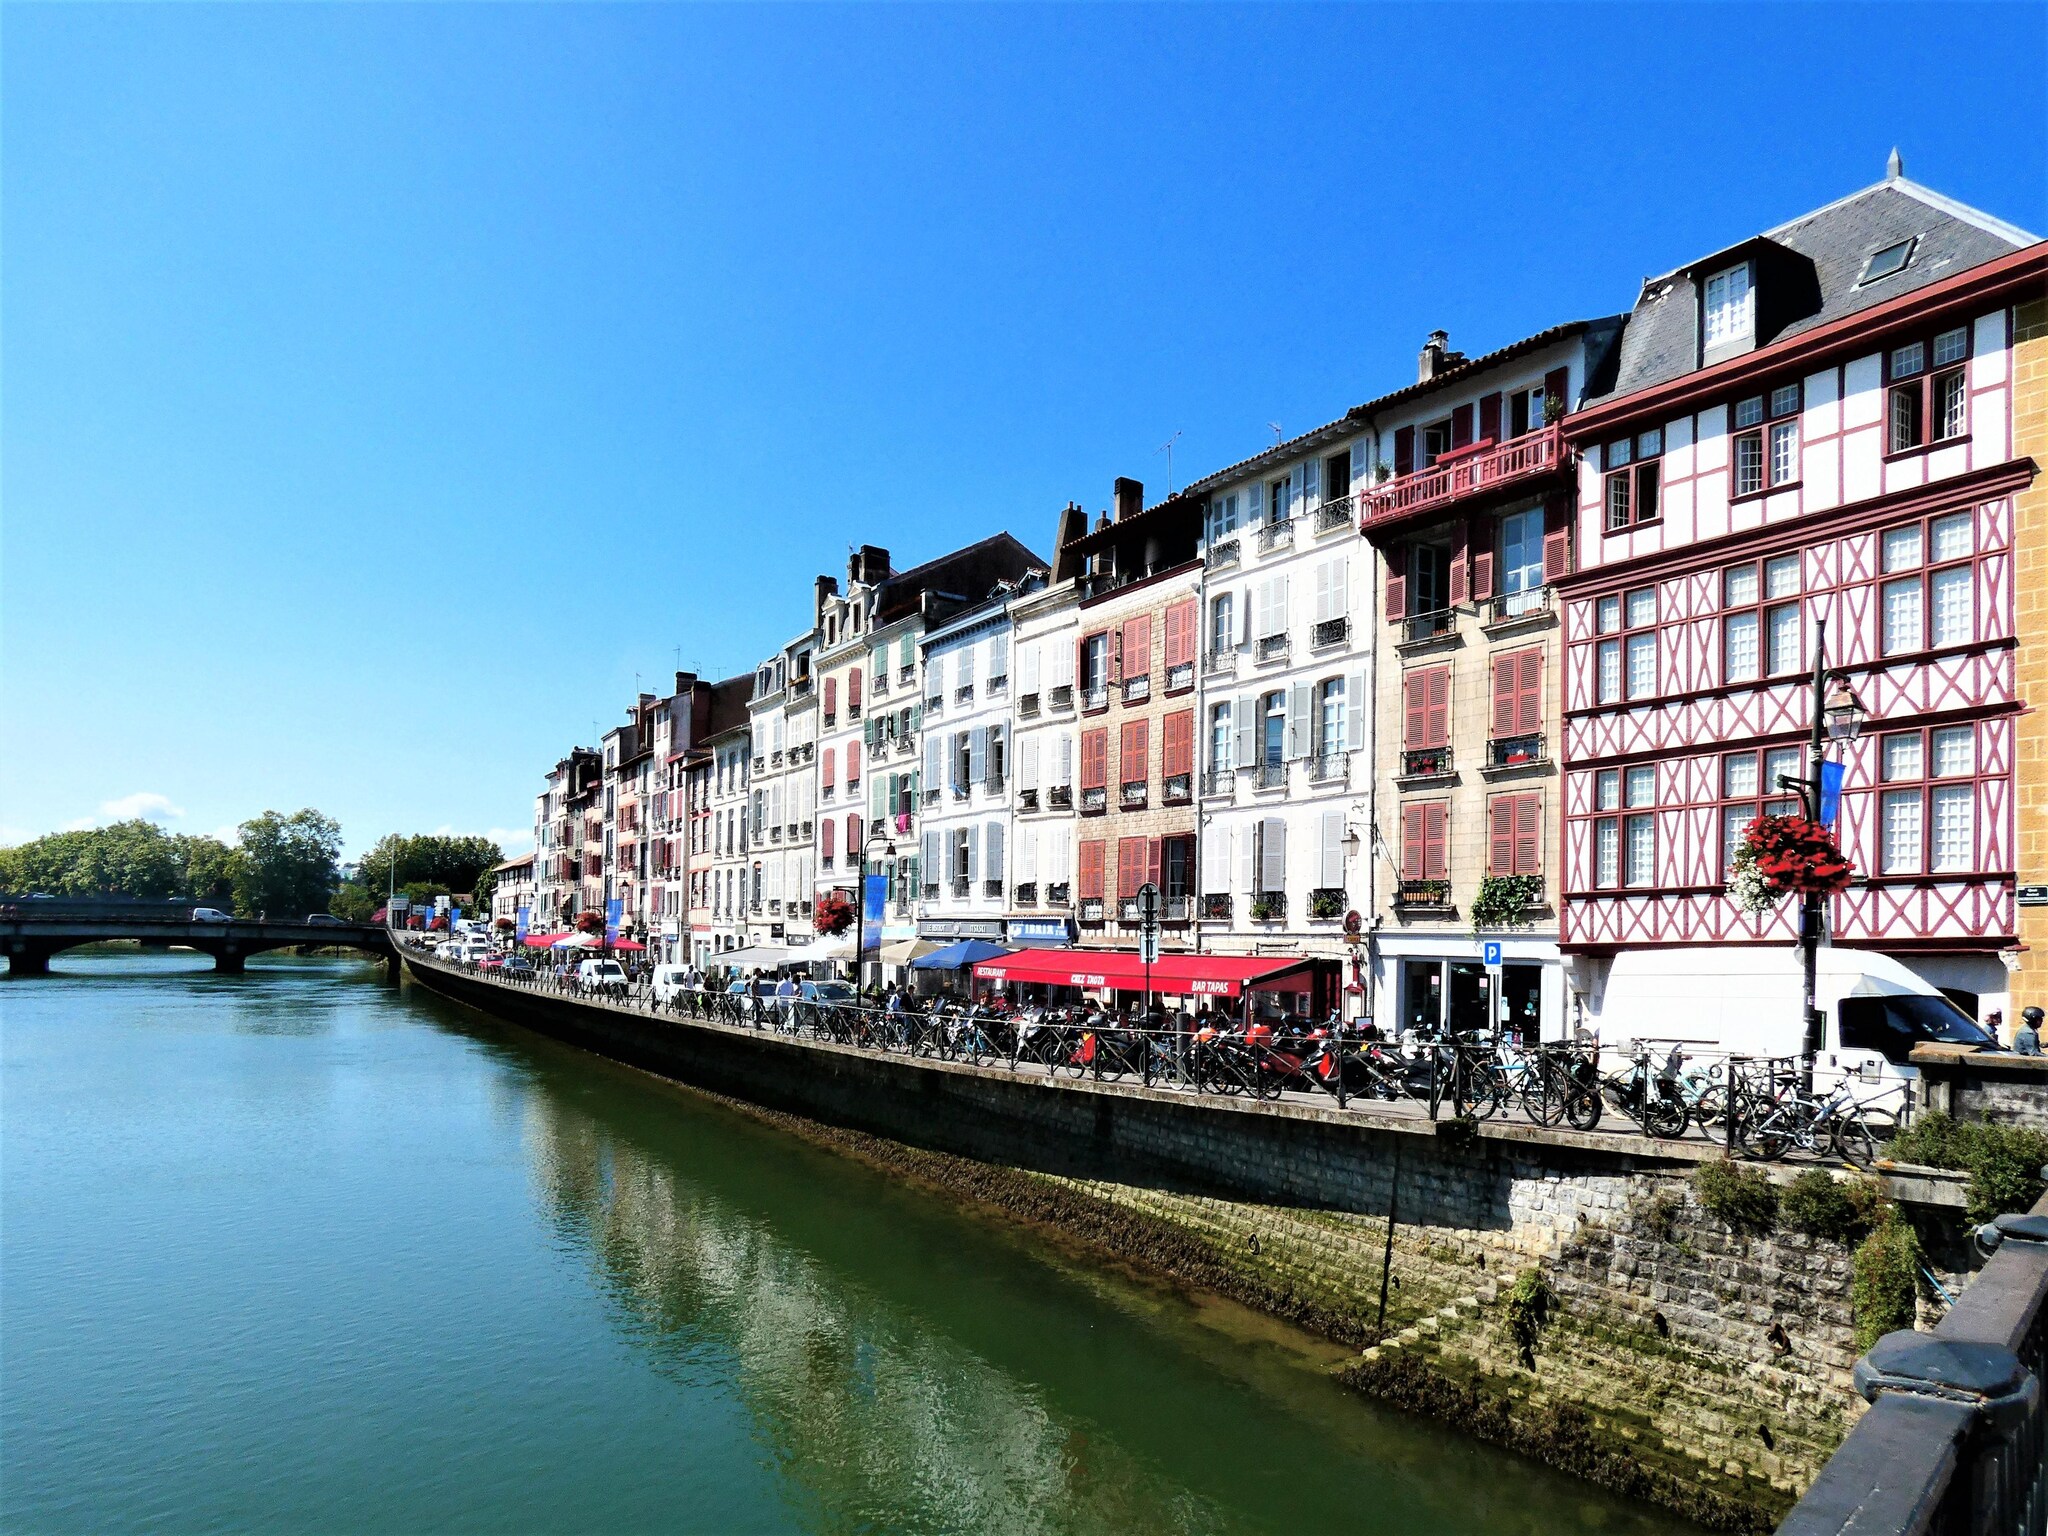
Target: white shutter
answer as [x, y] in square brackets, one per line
[1027, 855]
[973, 854]
[934, 747]
[1311, 484]
[977, 755]
[1358, 465]
[1273, 854]
[932, 869]
[1244, 717]
[1066, 772]
[1062, 661]
[1027, 669]
[1059, 852]
[998, 658]
[1027, 764]
[1326, 577]
[1254, 502]
[1248, 857]
[1300, 704]
[995, 850]
[1355, 706]
[1241, 616]
[1333, 850]
[1216, 861]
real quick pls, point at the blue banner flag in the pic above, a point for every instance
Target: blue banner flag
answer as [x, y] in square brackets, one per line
[522, 922]
[874, 902]
[614, 911]
[1830, 792]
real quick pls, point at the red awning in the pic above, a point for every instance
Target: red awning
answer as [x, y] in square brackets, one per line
[542, 940]
[627, 945]
[1173, 975]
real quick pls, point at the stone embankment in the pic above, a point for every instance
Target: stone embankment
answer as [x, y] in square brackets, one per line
[1561, 1296]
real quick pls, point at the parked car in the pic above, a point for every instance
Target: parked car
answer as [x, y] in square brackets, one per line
[210, 915]
[668, 983]
[600, 976]
[324, 920]
[826, 992]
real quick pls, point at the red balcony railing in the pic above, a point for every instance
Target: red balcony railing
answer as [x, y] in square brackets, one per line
[1463, 472]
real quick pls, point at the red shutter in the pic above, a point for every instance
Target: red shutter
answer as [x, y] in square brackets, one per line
[826, 833]
[1091, 869]
[1095, 758]
[831, 695]
[1414, 709]
[853, 837]
[1433, 859]
[1173, 624]
[853, 762]
[1500, 835]
[1155, 861]
[1557, 539]
[1489, 417]
[1136, 655]
[1460, 591]
[1461, 426]
[1130, 866]
[1480, 539]
[1529, 694]
[1397, 585]
[1411, 842]
[1507, 674]
[1555, 383]
[827, 774]
[853, 689]
[1528, 823]
[1436, 729]
[1404, 451]
[1180, 633]
[1178, 743]
[1081, 665]
[1131, 752]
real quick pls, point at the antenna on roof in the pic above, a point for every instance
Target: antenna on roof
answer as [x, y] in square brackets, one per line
[1276, 431]
[1894, 168]
[1167, 449]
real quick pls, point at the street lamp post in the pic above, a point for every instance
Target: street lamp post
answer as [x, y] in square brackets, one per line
[1839, 713]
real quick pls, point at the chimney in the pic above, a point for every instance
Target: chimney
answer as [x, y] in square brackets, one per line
[1130, 497]
[867, 566]
[1435, 352]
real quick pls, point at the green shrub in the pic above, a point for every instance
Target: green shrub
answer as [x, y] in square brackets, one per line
[1659, 1214]
[1887, 1280]
[2003, 1161]
[1527, 1304]
[1743, 1198]
[1821, 1205]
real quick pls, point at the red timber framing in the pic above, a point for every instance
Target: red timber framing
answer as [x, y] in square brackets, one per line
[1903, 564]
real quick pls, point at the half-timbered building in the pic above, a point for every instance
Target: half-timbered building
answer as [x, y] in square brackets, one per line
[1808, 437]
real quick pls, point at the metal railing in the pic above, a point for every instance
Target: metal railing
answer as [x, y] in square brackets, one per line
[1270, 776]
[1329, 632]
[1423, 894]
[1329, 768]
[1433, 625]
[1096, 799]
[1425, 762]
[1137, 689]
[1956, 1439]
[1061, 696]
[1463, 474]
[1272, 647]
[1273, 535]
[1506, 607]
[1133, 794]
[1221, 555]
[1180, 676]
[1221, 663]
[1514, 751]
[1334, 514]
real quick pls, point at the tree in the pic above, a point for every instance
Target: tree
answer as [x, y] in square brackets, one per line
[480, 892]
[456, 863]
[353, 903]
[287, 863]
[210, 867]
[130, 858]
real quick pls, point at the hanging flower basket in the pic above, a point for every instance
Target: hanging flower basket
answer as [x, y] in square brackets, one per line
[590, 922]
[1785, 855]
[833, 913]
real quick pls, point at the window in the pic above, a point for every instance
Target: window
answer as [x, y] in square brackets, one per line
[1426, 700]
[1273, 733]
[1730, 309]
[1436, 442]
[1936, 604]
[1223, 625]
[1749, 789]
[1521, 561]
[1219, 738]
[1095, 671]
[1927, 808]
[1423, 855]
[1632, 492]
[1513, 834]
[1330, 722]
[1925, 406]
[1766, 447]
[1222, 516]
[1749, 635]
[1525, 411]
[1517, 706]
[1884, 263]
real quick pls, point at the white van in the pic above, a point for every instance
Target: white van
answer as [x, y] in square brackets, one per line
[600, 976]
[668, 983]
[1745, 1000]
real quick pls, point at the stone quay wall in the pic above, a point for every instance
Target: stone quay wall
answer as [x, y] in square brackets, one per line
[1677, 1361]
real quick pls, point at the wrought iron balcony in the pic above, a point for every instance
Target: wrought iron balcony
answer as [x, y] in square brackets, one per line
[1221, 663]
[1060, 797]
[775, 758]
[1326, 903]
[1134, 795]
[998, 686]
[1329, 632]
[1137, 689]
[1329, 768]
[1272, 648]
[961, 887]
[1420, 895]
[1177, 790]
[931, 796]
[1433, 625]
[906, 672]
[1216, 908]
[993, 888]
[1026, 895]
[1271, 776]
[1335, 513]
[880, 683]
[1426, 762]
[1091, 909]
[1269, 906]
[1027, 706]
[905, 746]
[853, 709]
[1057, 893]
[1218, 781]
[1096, 697]
[1481, 469]
[1514, 751]
[1027, 799]
[994, 782]
[1221, 555]
[1096, 799]
[1127, 909]
[931, 891]
[935, 704]
[1062, 696]
[1274, 534]
[964, 694]
[1506, 607]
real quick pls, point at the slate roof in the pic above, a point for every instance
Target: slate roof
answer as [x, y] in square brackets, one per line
[1661, 341]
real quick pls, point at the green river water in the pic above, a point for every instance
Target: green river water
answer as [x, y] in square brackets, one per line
[299, 1251]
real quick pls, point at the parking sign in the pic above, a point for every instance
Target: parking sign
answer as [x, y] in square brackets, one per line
[1491, 951]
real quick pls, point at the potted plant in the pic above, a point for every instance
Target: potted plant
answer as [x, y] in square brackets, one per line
[1503, 900]
[1325, 904]
[1781, 855]
[1382, 472]
[833, 913]
[1268, 905]
[1553, 409]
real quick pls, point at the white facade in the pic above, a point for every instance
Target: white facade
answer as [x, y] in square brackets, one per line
[1045, 628]
[968, 736]
[781, 797]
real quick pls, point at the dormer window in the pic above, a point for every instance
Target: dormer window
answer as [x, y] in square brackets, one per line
[1730, 306]
[1893, 258]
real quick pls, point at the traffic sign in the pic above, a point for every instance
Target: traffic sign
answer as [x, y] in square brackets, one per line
[1490, 951]
[1148, 946]
[1148, 907]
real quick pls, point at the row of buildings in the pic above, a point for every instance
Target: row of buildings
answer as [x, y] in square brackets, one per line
[1511, 652]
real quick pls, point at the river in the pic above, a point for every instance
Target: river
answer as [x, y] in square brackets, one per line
[300, 1251]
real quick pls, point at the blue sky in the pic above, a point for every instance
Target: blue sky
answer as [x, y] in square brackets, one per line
[385, 387]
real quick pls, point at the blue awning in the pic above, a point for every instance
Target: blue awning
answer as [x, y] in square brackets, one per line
[954, 956]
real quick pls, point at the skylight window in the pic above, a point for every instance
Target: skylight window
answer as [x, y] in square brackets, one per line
[1892, 258]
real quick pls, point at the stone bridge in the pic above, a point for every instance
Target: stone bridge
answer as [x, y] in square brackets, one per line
[29, 937]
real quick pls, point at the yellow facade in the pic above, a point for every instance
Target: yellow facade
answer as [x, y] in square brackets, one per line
[2030, 540]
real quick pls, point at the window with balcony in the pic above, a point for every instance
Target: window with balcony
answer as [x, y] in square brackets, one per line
[1095, 769]
[1521, 564]
[1927, 396]
[1425, 856]
[1517, 735]
[1514, 834]
[1177, 757]
[1427, 593]
[1426, 722]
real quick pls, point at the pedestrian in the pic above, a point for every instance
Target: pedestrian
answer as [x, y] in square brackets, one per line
[2027, 1038]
